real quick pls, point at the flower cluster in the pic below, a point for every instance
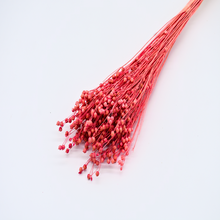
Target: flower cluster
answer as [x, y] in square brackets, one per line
[104, 118]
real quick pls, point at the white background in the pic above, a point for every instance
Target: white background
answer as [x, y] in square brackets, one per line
[50, 51]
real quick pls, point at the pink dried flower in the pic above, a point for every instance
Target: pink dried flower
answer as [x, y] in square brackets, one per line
[107, 118]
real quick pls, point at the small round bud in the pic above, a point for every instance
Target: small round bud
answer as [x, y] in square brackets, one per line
[112, 133]
[58, 123]
[66, 133]
[84, 166]
[93, 139]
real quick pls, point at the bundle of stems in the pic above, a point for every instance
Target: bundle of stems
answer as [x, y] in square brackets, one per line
[107, 119]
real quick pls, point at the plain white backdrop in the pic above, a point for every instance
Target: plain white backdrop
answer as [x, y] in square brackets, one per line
[50, 51]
